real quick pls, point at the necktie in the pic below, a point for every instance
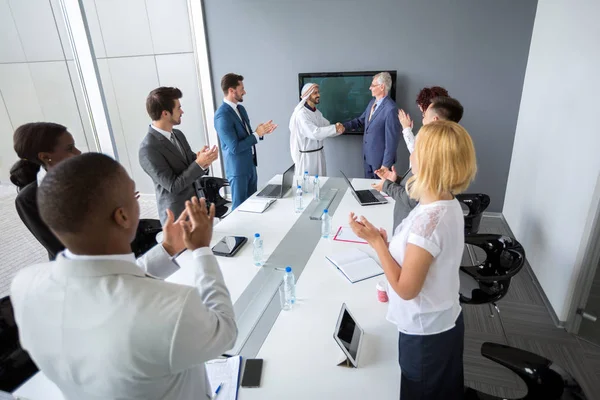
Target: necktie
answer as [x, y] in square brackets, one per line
[176, 144]
[373, 110]
[249, 130]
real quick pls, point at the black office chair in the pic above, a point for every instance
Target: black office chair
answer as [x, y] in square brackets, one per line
[544, 379]
[15, 364]
[145, 237]
[209, 189]
[504, 259]
[477, 204]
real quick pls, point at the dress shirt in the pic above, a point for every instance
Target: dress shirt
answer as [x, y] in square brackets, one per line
[100, 329]
[234, 106]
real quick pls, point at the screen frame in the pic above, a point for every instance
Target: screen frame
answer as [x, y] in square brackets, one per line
[338, 324]
[392, 92]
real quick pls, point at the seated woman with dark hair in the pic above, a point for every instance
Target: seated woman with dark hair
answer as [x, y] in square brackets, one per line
[40, 146]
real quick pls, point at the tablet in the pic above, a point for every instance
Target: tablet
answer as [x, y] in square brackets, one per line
[348, 335]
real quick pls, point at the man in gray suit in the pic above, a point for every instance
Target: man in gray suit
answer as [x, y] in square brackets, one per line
[92, 321]
[441, 108]
[166, 156]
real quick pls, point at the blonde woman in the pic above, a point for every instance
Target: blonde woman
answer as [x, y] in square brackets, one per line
[421, 263]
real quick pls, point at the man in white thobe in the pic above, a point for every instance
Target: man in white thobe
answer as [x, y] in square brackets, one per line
[308, 129]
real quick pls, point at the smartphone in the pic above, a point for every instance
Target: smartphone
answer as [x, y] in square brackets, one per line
[229, 245]
[252, 373]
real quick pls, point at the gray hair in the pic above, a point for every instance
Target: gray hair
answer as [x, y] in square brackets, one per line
[386, 79]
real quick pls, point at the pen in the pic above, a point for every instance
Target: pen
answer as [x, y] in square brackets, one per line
[217, 391]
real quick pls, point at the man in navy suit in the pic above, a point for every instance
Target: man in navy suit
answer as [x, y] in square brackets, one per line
[238, 140]
[381, 127]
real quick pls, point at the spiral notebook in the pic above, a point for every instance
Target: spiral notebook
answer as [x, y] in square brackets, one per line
[224, 372]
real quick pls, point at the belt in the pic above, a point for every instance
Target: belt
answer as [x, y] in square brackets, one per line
[311, 151]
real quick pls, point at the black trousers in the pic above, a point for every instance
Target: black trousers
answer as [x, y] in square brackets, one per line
[432, 365]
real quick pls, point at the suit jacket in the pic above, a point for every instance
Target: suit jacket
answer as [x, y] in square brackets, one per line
[236, 142]
[174, 174]
[26, 204]
[382, 133]
[102, 329]
[404, 204]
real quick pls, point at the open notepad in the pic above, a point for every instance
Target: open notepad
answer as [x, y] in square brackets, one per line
[225, 371]
[256, 205]
[356, 265]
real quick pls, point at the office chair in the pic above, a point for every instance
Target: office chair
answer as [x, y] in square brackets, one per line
[15, 364]
[544, 379]
[477, 204]
[209, 189]
[491, 277]
[145, 237]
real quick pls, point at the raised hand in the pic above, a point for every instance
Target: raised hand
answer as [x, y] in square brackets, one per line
[265, 128]
[197, 232]
[385, 173]
[340, 128]
[173, 233]
[206, 156]
[405, 120]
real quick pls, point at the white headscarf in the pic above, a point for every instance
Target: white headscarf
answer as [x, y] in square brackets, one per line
[307, 90]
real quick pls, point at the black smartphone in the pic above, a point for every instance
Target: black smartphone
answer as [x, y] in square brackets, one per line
[252, 372]
[229, 245]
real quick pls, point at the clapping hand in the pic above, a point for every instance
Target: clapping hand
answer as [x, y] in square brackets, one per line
[385, 173]
[366, 230]
[340, 128]
[173, 233]
[405, 120]
[197, 232]
[265, 128]
[206, 156]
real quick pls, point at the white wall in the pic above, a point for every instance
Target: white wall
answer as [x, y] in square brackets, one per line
[556, 155]
[146, 44]
[36, 75]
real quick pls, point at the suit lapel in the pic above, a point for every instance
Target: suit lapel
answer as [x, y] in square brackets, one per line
[238, 120]
[166, 144]
[369, 120]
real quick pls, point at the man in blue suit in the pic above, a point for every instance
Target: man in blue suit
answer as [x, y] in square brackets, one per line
[238, 140]
[381, 126]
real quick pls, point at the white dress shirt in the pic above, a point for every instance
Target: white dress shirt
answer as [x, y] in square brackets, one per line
[234, 106]
[438, 228]
[100, 329]
[409, 139]
[164, 133]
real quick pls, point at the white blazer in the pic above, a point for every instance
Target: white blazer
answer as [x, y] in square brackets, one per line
[102, 329]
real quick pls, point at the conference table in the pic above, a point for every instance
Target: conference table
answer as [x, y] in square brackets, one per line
[297, 346]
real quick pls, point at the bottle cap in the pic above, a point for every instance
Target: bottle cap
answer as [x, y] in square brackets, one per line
[316, 176]
[326, 211]
[299, 187]
[257, 235]
[288, 269]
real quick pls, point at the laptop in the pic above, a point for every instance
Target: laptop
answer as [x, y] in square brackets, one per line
[365, 197]
[278, 191]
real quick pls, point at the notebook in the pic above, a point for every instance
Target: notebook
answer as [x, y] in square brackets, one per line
[225, 372]
[355, 264]
[255, 205]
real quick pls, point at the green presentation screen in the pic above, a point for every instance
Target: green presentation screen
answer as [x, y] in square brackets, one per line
[344, 95]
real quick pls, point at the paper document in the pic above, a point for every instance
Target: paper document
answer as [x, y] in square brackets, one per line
[356, 265]
[345, 234]
[225, 371]
[255, 205]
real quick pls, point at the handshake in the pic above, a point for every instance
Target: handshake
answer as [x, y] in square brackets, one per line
[339, 128]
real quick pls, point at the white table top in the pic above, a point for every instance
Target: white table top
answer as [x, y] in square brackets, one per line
[300, 355]
[299, 351]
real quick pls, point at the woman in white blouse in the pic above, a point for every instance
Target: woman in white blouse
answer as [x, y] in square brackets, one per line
[421, 263]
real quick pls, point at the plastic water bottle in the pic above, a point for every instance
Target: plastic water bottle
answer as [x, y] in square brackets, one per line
[325, 224]
[298, 200]
[258, 250]
[305, 180]
[289, 289]
[316, 189]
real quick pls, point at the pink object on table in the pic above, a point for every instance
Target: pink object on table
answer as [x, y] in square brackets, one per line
[382, 295]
